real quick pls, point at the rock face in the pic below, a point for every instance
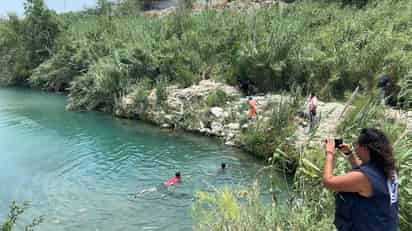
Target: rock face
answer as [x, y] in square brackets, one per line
[236, 5]
[186, 108]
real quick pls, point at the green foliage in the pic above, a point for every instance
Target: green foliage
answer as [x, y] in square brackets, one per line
[366, 112]
[404, 159]
[405, 95]
[186, 4]
[130, 7]
[101, 85]
[217, 98]
[319, 45]
[27, 42]
[161, 90]
[16, 211]
[41, 29]
[243, 209]
[265, 137]
[140, 93]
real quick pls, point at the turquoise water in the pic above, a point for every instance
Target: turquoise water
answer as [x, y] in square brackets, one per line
[81, 170]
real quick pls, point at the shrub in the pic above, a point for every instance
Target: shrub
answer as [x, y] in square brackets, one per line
[405, 95]
[140, 93]
[265, 137]
[161, 90]
[217, 98]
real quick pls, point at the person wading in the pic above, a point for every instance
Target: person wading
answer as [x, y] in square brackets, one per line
[367, 196]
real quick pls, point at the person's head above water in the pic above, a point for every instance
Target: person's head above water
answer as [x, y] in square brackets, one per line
[249, 97]
[177, 175]
[223, 165]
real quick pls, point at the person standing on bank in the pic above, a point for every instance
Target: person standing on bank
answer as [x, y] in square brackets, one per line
[313, 105]
[367, 196]
[252, 107]
[383, 84]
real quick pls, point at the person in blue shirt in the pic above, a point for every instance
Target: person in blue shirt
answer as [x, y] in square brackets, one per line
[367, 196]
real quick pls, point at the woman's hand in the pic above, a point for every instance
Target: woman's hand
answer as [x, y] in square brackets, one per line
[329, 146]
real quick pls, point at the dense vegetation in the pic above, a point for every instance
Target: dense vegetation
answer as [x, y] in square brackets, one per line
[99, 55]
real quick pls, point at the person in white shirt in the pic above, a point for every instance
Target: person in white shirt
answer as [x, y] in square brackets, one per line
[313, 104]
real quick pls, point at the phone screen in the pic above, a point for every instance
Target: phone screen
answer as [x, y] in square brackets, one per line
[338, 142]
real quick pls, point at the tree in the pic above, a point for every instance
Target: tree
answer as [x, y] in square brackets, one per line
[40, 32]
[104, 7]
[130, 7]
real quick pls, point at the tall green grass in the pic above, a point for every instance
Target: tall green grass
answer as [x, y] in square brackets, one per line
[322, 46]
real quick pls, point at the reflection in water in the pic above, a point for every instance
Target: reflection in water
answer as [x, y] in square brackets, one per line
[82, 170]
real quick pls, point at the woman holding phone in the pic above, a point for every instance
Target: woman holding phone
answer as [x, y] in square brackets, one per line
[367, 196]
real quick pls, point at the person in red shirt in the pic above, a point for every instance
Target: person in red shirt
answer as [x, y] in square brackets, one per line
[165, 186]
[252, 107]
[173, 180]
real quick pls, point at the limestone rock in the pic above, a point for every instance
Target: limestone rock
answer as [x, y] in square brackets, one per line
[233, 126]
[217, 128]
[230, 143]
[217, 111]
[165, 125]
[127, 101]
[152, 98]
[206, 131]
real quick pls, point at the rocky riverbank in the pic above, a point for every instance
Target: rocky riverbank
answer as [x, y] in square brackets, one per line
[189, 109]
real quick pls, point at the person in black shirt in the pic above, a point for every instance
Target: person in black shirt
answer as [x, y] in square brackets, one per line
[383, 84]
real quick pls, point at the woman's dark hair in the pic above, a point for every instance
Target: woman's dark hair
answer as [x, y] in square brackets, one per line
[177, 174]
[380, 150]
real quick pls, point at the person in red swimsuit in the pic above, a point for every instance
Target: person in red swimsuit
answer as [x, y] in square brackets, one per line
[173, 180]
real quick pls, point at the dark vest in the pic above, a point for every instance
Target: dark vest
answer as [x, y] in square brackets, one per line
[377, 213]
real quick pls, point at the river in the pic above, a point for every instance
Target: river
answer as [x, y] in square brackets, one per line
[81, 169]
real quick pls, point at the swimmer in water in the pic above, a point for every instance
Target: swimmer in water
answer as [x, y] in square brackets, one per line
[223, 166]
[222, 169]
[174, 180]
[219, 171]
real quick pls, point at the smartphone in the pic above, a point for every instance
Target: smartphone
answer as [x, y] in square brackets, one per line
[338, 142]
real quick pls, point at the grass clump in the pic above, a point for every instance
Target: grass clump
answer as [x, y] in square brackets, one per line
[264, 137]
[217, 98]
